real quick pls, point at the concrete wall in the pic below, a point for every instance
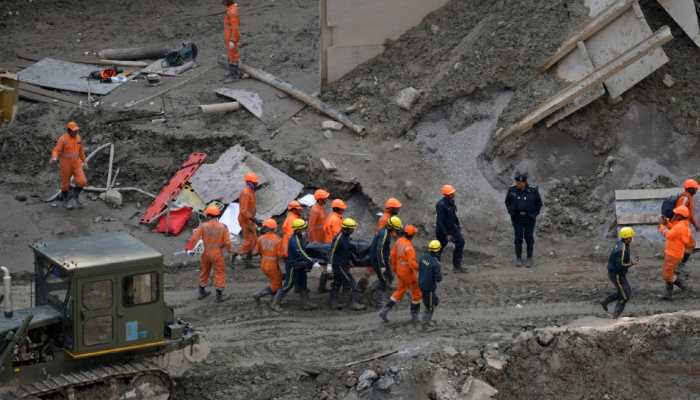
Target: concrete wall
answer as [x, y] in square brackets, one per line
[354, 31]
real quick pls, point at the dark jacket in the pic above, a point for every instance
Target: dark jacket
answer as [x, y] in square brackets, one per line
[341, 250]
[446, 221]
[429, 272]
[380, 249]
[296, 254]
[523, 203]
[620, 258]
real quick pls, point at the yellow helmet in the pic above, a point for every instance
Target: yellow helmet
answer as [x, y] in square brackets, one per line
[395, 223]
[434, 246]
[349, 223]
[626, 233]
[299, 224]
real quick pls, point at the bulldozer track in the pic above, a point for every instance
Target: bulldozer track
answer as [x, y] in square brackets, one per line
[73, 381]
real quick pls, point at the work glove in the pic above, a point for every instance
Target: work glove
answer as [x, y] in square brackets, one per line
[316, 265]
[329, 269]
[232, 45]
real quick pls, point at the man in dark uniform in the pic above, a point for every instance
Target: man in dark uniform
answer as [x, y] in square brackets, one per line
[339, 259]
[380, 249]
[618, 264]
[429, 275]
[524, 204]
[447, 227]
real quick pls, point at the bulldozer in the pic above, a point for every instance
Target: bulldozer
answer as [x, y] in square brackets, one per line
[99, 327]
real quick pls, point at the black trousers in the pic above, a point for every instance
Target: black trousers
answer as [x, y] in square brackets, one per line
[343, 278]
[430, 300]
[622, 292]
[295, 277]
[458, 240]
[524, 229]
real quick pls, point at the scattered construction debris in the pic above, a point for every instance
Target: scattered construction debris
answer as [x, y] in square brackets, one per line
[331, 125]
[221, 107]
[407, 98]
[313, 102]
[57, 74]
[249, 100]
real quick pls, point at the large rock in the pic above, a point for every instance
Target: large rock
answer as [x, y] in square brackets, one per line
[366, 380]
[476, 389]
[441, 388]
[406, 98]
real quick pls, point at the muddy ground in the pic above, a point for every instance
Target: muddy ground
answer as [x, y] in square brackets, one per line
[258, 354]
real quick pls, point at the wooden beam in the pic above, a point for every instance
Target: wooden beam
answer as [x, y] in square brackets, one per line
[29, 88]
[566, 96]
[645, 194]
[598, 22]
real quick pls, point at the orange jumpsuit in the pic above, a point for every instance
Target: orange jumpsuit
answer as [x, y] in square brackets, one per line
[686, 199]
[405, 267]
[70, 154]
[246, 219]
[678, 240]
[287, 230]
[269, 246]
[232, 32]
[216, 239]
[333, 225]
[317, 217]
[383, 220]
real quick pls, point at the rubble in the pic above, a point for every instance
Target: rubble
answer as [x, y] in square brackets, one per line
[331, 125]
[407, 97]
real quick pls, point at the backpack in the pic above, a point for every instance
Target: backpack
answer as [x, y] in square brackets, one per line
[668, 205]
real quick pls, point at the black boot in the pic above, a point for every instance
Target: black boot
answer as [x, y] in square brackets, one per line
[415, 310]
[354, 302]
[203, 292]
[604, 304]
[679, 282]
[427, 317]
[68, 200]
[458, 269]
[306, 304]
[259, 295]
[385, 310]
[234, 73]
[277, 301]
[76, 197]
[333, 303]
[248, 261]
[669, 292]
[619, 308]
[220, 298]
[323, 282]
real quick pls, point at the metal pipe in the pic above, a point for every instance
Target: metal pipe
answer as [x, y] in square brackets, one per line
[7, 284]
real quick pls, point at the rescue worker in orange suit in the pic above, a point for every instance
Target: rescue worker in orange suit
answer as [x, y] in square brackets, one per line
[70, 155]
[269, 246]
[447, 226]
[619, 262]
[246, 217]
[317, 218]
[232, 36]
[298, 264]
[216, 239]
[380, 250]
[294, 210]
[339, 260]
[392, 207]
[678, 239]
[334, 221]
[686, 198]
[405, 266]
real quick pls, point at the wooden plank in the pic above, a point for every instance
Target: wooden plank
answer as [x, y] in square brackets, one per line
[638, 219]
[645, 194]
[566, 96]
[27, 87]
[43, 99]
[598, 22]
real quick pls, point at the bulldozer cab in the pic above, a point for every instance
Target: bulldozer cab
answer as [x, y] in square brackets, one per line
[108, 289]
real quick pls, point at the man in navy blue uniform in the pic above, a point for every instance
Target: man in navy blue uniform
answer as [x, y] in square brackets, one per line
[447, 226]
[297, 266]
[524, 204]
[339, 259]
[619, 262]
[429, 275]
[380, 249]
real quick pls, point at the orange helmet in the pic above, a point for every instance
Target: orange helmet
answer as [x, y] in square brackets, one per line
[690, 184]
[251, 177]
[72, 126]
[682, 211]
[294, 205]
[392, 203]
[448, 190]
[270, 224]
[338, 203]
[321, 194]
[212, 211]
[410, 230]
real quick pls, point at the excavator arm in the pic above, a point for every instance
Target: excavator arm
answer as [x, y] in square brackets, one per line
[10, 340]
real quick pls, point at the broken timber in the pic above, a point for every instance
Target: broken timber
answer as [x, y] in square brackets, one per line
[598, 22]
[566, 96]
[288, 88]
